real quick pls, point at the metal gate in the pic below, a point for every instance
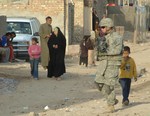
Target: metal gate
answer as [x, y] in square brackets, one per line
[70, 22]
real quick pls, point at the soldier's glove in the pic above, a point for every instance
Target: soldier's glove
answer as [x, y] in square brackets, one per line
[135, 79]
[99, 86]
[103, 45]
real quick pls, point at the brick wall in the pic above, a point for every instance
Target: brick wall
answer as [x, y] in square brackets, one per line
[43, 8]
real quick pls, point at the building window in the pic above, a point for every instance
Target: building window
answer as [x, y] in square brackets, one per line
[126, 2]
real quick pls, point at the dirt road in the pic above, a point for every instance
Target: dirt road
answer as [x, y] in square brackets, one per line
[75, 95]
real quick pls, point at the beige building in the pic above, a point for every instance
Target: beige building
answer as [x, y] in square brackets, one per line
[74, 17]
[66, 14]
[62, 12]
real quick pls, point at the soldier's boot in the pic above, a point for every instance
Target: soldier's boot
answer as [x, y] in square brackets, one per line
[111, 108]
[116, 101]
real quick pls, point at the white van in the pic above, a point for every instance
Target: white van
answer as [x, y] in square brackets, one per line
[25, 28]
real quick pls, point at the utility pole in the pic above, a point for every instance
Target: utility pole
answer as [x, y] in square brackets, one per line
[136, 29]
[136, 25]
[140, 22]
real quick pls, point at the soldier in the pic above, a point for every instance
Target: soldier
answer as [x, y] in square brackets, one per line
[109, 52]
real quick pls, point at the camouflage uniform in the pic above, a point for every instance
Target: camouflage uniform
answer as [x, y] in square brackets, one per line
[110, 60]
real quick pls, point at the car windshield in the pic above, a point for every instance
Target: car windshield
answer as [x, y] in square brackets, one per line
[19, 27]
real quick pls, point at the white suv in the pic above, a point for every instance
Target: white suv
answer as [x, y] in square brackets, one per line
[25, 28]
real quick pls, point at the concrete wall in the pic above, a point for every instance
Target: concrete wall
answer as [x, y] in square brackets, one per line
[100, 7]
[87, 20]
[2, 25]
[78, 24]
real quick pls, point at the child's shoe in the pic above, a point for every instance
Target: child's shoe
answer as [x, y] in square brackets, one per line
[125, 103]
[59, 79]
[36, 78]
[116, 101]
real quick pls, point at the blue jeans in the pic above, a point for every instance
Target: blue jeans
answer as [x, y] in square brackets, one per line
[125, 84]
[34, 67]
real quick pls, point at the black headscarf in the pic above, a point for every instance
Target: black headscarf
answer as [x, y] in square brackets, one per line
[61, 39]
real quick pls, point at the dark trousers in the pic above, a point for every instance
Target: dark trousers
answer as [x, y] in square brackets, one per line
[83, 60]
[125, 84]
[34, 67]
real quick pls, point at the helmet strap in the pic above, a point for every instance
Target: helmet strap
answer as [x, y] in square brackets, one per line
[109, 29]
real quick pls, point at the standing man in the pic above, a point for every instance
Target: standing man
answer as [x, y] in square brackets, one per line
[45, 33]
[109, 53]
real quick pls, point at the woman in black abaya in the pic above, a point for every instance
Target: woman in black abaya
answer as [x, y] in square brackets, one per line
[57, 47]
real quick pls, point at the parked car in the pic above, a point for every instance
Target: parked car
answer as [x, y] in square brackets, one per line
[25, 28]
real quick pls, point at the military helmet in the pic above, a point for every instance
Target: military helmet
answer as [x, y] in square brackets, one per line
[107, 22]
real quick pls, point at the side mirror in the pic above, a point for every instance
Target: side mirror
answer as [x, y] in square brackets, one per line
[36, 34]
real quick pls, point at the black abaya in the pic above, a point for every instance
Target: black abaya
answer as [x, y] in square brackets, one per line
[56, 66]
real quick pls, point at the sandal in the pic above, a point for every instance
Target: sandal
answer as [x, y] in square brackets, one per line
[58, 79]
